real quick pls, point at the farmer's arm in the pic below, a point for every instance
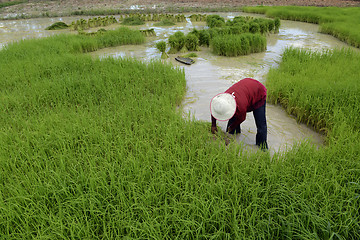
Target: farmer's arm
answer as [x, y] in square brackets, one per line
[213, 125]
[240, 118]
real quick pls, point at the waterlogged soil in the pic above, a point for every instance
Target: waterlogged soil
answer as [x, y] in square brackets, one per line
[211, 74]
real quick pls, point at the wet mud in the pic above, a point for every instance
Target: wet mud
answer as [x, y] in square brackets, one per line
[211, 74]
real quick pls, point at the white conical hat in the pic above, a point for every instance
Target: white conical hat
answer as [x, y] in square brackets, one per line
[223, 106]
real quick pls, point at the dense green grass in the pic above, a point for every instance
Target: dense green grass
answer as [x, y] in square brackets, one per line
[237, 45]
[98, 149]
[321, 89]
[343, 23]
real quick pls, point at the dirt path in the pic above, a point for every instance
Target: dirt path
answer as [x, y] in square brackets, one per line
[63, 7]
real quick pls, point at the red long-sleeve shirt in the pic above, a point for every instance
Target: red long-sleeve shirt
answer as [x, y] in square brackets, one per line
[249, 94]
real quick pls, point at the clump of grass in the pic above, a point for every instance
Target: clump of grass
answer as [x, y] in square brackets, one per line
[161, 46]
[236, 45]
[192, 42]
[148, 32]
[233, 37]
[215, 21]
[189, 55]
[165, 22]
[132, 21]
[203, 36]
[57, 26]
[198, 17]
[82, 24]
[320, 97]
[155, 17]
[176, 42]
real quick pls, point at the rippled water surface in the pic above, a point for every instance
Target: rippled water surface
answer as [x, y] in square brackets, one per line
[211, 74]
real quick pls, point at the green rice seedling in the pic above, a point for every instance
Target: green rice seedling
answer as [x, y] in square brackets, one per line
[197, 17]
[98, 148]
[236, 45]
[263, 24]
[98, 32]
[323, 104]
[190, 55]
[192, 42]
[203, 36]
[165, 22]
[245, 27]
[271, 25]
[254, 27]
[57, 26]
[236, 29]
[161, 46]
[176, 42]
[148, 32]
[237, 20]
[132, 21]
[215, 21]
[277, 24]
[340, 30]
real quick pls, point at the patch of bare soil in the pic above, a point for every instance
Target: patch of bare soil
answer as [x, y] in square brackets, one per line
[62, 7]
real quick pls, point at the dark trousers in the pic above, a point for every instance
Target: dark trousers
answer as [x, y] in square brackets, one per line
[260, 122]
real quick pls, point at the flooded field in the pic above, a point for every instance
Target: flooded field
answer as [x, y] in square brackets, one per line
[210, 74]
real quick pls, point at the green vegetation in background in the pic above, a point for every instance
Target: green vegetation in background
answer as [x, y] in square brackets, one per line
[167, 10]
[148, 11]
[342, 23]
[165, 23]
[7, 4]
[239, 36]
[132, 21]
[155, 17]
[83, 24]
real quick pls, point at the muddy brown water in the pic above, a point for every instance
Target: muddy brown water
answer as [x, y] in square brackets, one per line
[211, 74]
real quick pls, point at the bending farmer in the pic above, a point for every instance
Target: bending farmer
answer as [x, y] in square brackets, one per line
[247, 95]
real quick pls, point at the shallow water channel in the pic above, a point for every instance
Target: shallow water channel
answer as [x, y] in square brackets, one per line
[211, 74]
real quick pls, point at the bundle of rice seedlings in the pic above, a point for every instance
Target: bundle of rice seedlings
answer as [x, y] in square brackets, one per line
[57, 26]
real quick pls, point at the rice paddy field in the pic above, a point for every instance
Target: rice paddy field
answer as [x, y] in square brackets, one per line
[98, 148]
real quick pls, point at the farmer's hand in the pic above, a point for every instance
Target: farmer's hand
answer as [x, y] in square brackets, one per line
[213, 129]
[227, 141]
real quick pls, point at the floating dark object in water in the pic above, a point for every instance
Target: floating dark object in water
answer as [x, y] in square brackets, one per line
[187, 61]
